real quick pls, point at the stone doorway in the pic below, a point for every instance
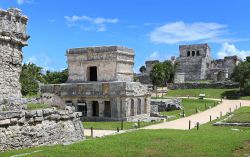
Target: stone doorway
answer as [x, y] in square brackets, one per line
[107, 109]
[95, 108]
[92, 73]
[82, 107]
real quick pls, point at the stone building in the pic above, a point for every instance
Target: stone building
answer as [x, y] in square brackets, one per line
[12, 38]
[100, 85]
[195, 63]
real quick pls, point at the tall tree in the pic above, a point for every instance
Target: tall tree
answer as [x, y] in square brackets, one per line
[241, 74]
[29, 78]
[157, 75]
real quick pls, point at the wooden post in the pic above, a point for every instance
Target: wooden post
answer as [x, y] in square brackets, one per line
[230, 110]
[220, 114]
[92, 134]
[189, 125]
[118, 129]
[210, 118]
[183, 113]
[196, 110]
[205, 106]
[240, 104]
[139, 125]
[197, 125]
[122, 124]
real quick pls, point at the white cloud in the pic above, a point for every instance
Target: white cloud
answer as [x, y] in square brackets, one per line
[20, 2]
[42, 60]
[98, 24]
[154, 56]
[173, 33]
[230, 50]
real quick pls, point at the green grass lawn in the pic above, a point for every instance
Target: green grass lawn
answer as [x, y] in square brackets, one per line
[209, 141]
[114, 125]
[210, 93]
[32, 106]
[242, 115]
[190, 106]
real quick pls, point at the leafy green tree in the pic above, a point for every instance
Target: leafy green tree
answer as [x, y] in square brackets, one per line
[142, 69]
[56, 77]
[29, 78]
[241, 74]
[157, 75]
[169, 70]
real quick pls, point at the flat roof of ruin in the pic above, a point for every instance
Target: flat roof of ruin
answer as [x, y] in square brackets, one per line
[195, 45]
[100, 49]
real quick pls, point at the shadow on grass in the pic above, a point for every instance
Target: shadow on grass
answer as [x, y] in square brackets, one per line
[232, 94]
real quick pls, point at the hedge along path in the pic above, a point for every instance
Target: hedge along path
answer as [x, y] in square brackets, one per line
[203, 117]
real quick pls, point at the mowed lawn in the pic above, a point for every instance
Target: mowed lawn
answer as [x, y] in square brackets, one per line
[242, 115]
[208, 141]
[115, 125]
[190, 106]
[210, 93]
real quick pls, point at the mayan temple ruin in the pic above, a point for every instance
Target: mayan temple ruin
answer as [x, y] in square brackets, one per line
[13, 38]
[195, 63]
[100, 85]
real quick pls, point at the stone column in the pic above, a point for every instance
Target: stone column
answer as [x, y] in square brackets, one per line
[135, 105]
[89, 108]
[125, 108]
[101, 108]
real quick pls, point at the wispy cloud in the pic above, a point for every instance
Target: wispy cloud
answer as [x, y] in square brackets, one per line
[228, 49]
[20, 2]
[88, 23]
[177, 32]
[42, 60]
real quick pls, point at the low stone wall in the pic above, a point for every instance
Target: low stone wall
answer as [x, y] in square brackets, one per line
[14, 104]
[21, 129]
[218, 85]
[231, 124]
[164, 105]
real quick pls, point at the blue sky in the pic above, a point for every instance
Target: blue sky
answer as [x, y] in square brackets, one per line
[153, 28]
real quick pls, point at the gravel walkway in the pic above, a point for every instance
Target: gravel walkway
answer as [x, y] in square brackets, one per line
[202, 117]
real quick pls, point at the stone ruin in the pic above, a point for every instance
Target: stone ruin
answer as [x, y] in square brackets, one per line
[13, 38]
[20, 128]
[195, 63]
[100, 85]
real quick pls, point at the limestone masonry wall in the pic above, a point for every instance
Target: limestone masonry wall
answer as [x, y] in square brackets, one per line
[12, 38]
[218, 85]
[20, 129]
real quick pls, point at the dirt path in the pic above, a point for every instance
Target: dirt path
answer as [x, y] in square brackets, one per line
[203, 117]
[101, 133]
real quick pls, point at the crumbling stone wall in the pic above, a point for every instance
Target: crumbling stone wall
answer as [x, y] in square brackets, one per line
[21, 129]
[217, 85]
[12, 38]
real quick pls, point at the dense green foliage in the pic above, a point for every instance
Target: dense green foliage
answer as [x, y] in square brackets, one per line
[209, 141]
[56, 77]
[190, 106]
[241, 74]
[31, 76]
[162, 73]
[242, 115]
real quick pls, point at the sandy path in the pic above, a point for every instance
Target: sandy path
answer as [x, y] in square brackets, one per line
[101, 133]
[202, 117]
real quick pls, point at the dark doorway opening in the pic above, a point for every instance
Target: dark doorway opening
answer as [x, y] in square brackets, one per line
[107, 109]
[82, 107]
[95, 108]
[93, 73]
